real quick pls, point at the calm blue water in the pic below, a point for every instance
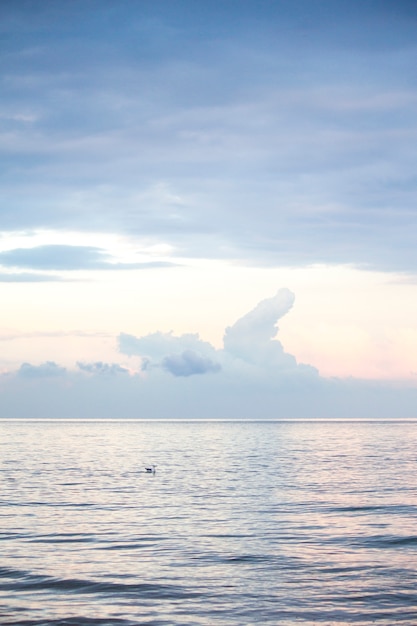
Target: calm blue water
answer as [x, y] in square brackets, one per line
[242, 523]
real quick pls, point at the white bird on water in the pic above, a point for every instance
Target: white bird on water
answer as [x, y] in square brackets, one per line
[150, 469]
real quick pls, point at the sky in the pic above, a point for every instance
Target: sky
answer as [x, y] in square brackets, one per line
[208, 209]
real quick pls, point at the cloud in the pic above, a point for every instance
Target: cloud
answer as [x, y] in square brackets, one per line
[189, 363]
[26, 277]
[108, 369]
[269, 142]
[67, 258]
[185, 355]
[157, 345]
[12, 336]
[255, 379]
[49, 369]
[87, 395]
[251, 338]
[249, 343]
[54, 257]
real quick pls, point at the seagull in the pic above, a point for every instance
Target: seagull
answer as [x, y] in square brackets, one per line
[150, 469]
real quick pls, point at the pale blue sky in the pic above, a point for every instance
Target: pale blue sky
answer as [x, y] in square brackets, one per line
[167, 165]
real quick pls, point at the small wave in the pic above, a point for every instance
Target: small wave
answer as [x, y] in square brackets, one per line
[361, 508]
[234, 558]
[64, 538]
[7, 572]
[391, 541]
[77, 621]
[128, 546]
[33, 582]
[247, 558]
[393, 509]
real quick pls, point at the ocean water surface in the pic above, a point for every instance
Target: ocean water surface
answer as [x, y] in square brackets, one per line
[242, 523]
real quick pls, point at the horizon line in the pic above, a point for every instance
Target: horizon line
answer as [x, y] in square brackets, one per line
[227, 420]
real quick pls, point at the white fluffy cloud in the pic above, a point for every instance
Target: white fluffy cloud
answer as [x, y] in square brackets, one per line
[249, 342]
[157, 345]
[180, 356]
[251, 338]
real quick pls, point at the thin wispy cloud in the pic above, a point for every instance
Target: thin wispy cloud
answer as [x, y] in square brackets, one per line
[28, 277]
[67, 258]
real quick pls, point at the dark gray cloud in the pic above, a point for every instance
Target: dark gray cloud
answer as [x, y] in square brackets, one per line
[189, 363]
[65, 258]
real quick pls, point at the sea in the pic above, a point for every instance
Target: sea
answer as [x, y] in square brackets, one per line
[238, 523]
